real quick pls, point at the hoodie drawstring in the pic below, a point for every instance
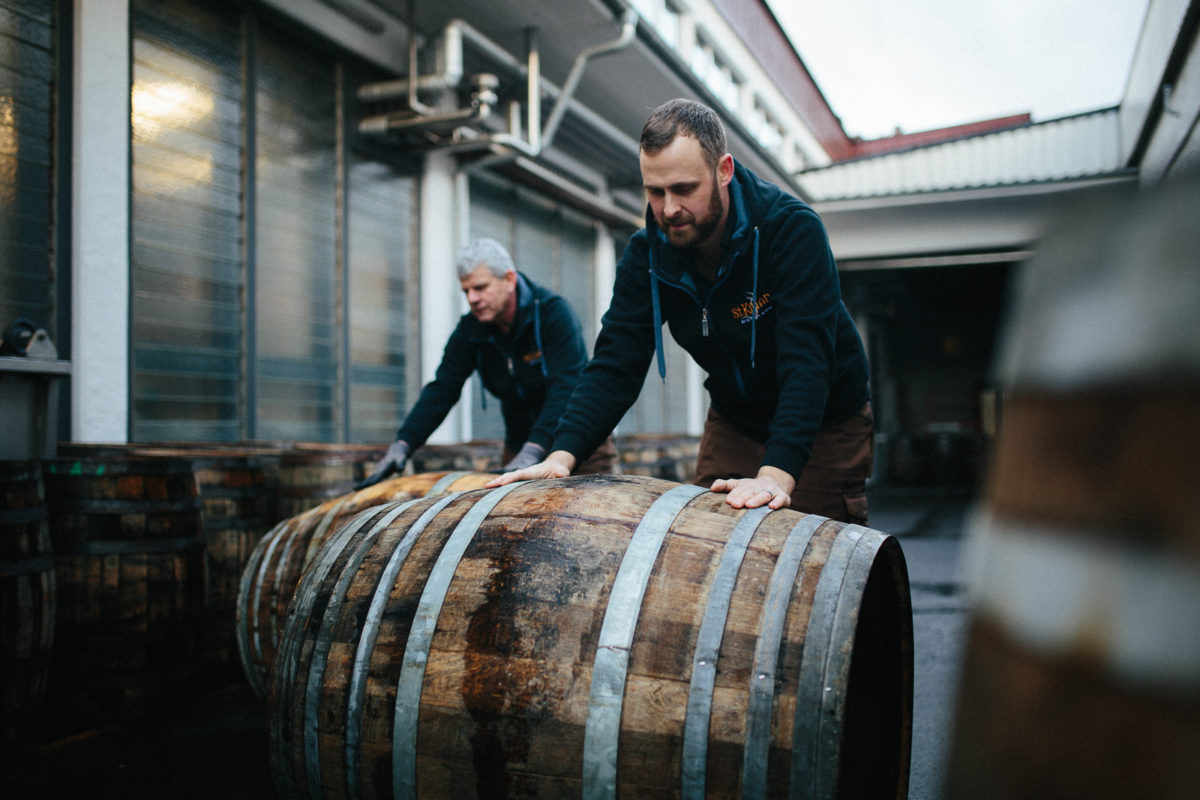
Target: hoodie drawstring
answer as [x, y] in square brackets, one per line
[658, 340]
[537, 333]
[754, 300]
[479, 369]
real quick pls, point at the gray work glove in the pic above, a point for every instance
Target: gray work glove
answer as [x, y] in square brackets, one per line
[393, 461]
[529, 455]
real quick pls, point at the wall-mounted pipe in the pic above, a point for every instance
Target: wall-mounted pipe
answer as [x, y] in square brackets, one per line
[533, 91]
[448, 76]
[628, 29]
[537, 136]
[483, 98]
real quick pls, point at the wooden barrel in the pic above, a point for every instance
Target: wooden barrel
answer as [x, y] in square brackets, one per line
[311, 473]
[92, 449]
[1081, 676]
[27, 604]
[671, 458]
[269, 577]
[236, 489]
[479, 455]
[595, 636]
[130, 570]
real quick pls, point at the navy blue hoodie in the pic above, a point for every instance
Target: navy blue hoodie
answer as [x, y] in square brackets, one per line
[783, 357]
[532, 370]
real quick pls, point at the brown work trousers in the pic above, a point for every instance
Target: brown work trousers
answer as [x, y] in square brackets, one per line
[834, 481]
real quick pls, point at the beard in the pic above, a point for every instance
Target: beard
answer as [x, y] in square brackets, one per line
[701, 228]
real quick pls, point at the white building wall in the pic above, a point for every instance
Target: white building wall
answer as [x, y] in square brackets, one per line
[441, 222]
[100, 223]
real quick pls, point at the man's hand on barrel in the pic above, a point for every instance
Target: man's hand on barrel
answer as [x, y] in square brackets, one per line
[393, 461]
[772, 486]
[557, 465]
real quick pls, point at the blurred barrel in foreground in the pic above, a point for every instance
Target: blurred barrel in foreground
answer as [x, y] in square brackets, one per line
[1082, 671]
[595, 636]
[129, 558]
[269, 577]
[27, 604]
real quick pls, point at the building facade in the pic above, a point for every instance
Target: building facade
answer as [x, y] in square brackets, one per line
[236, 219]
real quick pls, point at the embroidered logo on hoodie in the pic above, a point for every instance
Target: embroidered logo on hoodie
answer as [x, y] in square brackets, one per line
[752, 309]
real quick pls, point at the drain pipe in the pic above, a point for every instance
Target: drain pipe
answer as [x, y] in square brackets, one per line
[628, 29]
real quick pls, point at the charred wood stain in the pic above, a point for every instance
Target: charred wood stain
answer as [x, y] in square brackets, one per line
[514, 659]
[505, 689]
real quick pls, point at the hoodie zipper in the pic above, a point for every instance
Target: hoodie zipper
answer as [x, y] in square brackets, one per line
[704, 326]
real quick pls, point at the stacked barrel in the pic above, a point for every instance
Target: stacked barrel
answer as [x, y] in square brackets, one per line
[130, 566]
[27, 606]
[671, 458]
[119, 571]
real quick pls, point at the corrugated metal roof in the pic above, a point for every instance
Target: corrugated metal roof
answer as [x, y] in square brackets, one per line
[1071, 147]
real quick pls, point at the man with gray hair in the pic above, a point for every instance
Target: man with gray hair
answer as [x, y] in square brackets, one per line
[527, 344]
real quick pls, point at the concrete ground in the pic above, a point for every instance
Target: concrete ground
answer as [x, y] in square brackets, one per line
[219, 750]
[930, 524]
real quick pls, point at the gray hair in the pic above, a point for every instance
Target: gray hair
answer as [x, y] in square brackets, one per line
[486, 253]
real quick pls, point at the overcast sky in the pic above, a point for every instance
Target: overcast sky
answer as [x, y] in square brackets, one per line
[921, 64]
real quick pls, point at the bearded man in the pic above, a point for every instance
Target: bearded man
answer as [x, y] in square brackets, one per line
[742, 274]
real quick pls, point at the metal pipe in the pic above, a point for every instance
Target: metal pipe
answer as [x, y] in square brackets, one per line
[482, 100]
[533, 92]
[538, 136]
[448, 76]
[385, 123]
[550, 182]
[501, 57]
[628, 29]
[413, 102]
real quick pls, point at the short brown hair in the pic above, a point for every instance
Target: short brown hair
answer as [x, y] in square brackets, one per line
[681, 117]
